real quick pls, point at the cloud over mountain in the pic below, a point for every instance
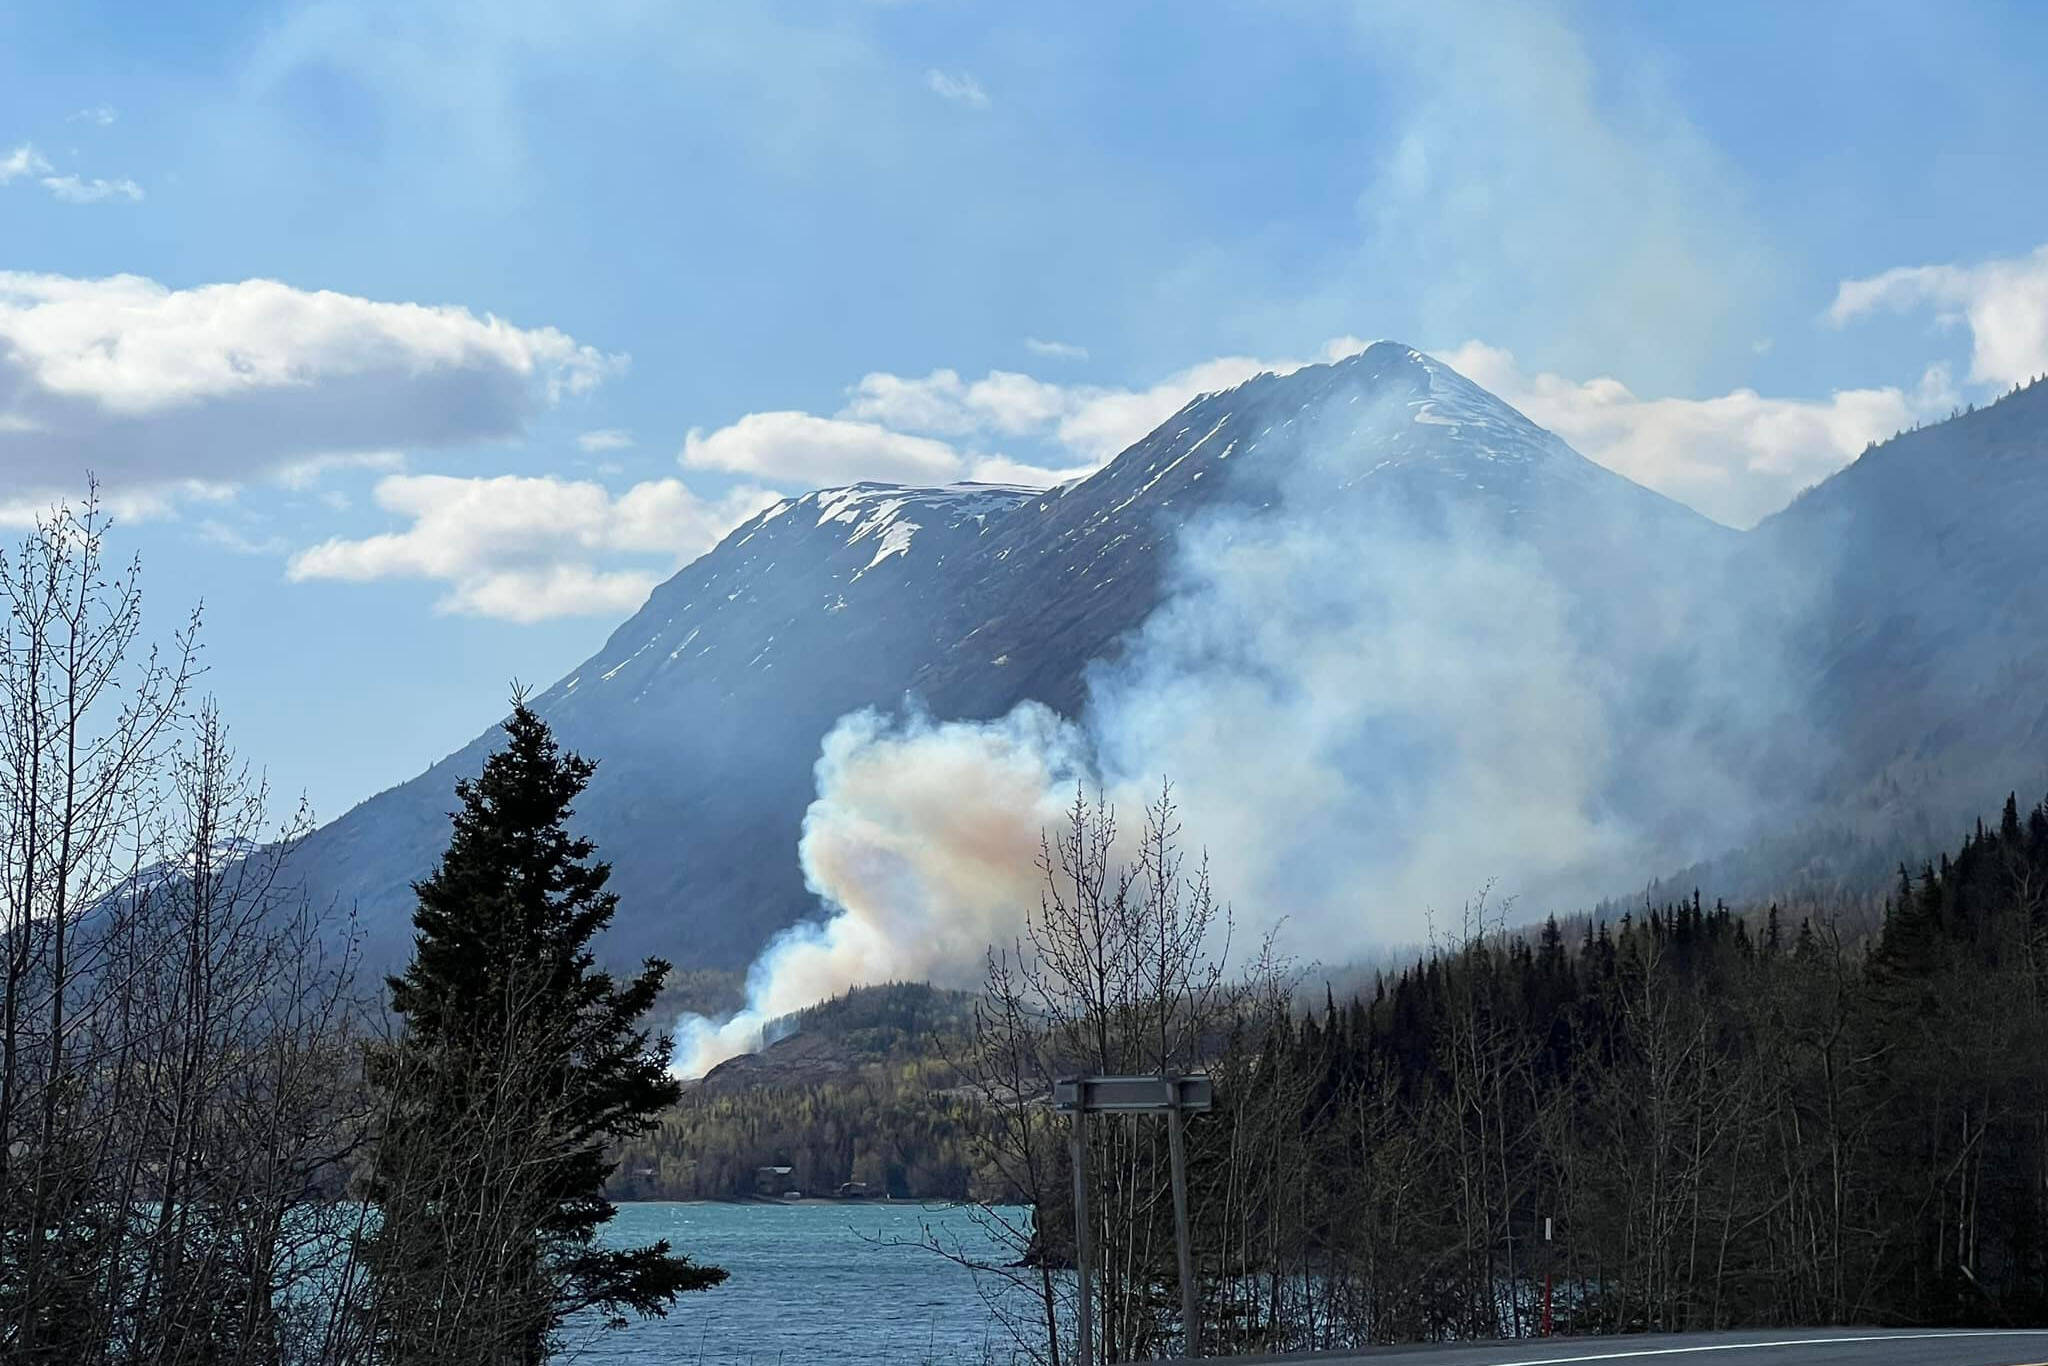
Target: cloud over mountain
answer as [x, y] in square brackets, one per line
[2003, 302]
[810, 450]
[525, 549]
[1737, 456]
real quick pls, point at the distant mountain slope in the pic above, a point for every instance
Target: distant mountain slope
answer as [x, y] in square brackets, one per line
[1062, 587]
[706, 708]
[1925, 639]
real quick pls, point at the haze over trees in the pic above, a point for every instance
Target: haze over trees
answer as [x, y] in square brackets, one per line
[1829, 1113]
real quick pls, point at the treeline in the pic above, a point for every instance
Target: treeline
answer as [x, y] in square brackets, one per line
[1720, 1121]
[1825, 1114]
[1684, 1118]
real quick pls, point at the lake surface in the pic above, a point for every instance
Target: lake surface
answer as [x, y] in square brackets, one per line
[812, 1283]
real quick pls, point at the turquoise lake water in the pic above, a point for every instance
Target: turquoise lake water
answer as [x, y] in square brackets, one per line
[811, 1283]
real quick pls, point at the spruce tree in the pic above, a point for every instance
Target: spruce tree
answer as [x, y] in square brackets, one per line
[518, 1066]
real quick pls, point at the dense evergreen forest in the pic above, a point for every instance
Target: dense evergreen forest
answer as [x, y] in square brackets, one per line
[1786, 1115]
[1724, 1121]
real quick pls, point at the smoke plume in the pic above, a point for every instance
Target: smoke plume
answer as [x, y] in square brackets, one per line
[1373, 696]
[924, 841]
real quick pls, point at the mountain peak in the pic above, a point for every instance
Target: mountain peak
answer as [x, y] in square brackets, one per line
[708, 706]
[1386, 411]
[1438, 396]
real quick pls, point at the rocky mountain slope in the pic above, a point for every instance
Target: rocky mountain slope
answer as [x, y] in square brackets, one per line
[706, 708]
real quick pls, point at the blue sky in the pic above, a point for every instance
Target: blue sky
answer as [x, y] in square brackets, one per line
[419, 339]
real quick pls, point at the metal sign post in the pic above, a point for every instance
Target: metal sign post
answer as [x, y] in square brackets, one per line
[1084, 1270]
[1172, 1097]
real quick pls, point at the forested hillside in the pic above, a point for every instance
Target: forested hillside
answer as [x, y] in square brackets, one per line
[1795, 1114]
[859, 1089]
[1726, 1121]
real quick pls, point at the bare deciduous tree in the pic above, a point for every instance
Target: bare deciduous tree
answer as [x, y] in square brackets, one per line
[175, 1066]
[1119, 970]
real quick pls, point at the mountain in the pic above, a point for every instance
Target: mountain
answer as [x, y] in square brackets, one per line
[1924, 641]
[1388, 433]
[706, 708]
[1910, 595]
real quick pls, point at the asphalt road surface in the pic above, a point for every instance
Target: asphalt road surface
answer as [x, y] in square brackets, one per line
[1874, 1346]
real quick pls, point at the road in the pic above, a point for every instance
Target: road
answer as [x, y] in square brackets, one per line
[1836, 1347]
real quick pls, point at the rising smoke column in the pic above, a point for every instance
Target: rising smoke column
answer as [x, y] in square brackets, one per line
[1373, 697]
[1363, 727]
[924, 843]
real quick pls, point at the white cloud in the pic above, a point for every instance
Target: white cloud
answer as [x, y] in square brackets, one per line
[1001, 469]
[146, 385]
[22, 161]
[884, 437]
[1089, 423]
[75, 190]
[154, 503]
[1005, 402]
[100, 115]
[232, 539]
[605, 439]
[795, 447]
[958, 87]
[2003, 302]
[1105, 421]
[525, 549]
[1736, 457]
[26, 161]
[1057, 350]
[903, 429]
[303, 474]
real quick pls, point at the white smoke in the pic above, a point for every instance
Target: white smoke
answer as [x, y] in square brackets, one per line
[924, 841]
[1367, 710]
[1349, 720]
